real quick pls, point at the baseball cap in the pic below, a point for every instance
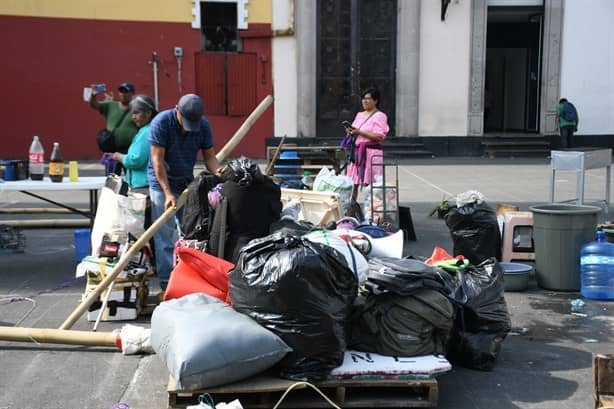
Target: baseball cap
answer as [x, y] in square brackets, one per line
[126, 87]
[191, 109]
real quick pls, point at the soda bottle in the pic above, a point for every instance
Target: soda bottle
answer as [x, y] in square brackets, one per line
[36, 160]
[597, 269]
[56, 165]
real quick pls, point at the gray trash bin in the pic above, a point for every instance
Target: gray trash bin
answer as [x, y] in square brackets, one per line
[559, 230]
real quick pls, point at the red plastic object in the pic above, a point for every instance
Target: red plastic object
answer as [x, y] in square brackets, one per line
[199, 272]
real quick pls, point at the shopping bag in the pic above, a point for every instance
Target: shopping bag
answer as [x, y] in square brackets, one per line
[118, 214]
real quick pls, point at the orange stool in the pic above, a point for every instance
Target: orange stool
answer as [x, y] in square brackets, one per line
[518, 236]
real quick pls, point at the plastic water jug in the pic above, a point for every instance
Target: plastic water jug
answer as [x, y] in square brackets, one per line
[82, 243]
[597, 269]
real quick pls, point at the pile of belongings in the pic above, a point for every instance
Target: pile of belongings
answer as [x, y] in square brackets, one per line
[305, 301]
[126, 297]
[120, 220]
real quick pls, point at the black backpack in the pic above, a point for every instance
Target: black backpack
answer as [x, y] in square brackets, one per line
[569, 112]
[197, 213]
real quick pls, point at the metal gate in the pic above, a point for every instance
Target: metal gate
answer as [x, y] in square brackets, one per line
[356, 50]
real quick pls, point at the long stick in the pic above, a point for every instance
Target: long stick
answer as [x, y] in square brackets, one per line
[271, 164]
[58, 336]
[251, 120]
[166, 216]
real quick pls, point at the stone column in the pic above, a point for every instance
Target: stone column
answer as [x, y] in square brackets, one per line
[306, 35]
[551, 65]
[408, 67]
[479, 17]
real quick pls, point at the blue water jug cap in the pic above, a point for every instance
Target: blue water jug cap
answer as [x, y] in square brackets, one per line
[600, 235]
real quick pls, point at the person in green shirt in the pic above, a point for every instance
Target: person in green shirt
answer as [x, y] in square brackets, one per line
[112, 111]
[567, 121]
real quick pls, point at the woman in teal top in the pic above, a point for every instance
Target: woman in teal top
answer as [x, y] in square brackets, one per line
[143, 109]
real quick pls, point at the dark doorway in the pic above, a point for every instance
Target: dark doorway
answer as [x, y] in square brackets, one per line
[513, 63]
[356, 50]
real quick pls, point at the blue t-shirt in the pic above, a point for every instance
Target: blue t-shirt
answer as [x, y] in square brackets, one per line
[181, 149]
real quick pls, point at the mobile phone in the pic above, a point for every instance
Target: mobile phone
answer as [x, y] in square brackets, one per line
[100, 88]
[346, 124]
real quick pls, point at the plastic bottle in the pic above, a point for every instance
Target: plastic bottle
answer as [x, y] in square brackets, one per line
[36, 160]
[56, 164]
[597, 269]
[307, 179]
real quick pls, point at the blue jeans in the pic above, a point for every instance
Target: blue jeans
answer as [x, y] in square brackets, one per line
[164, 238]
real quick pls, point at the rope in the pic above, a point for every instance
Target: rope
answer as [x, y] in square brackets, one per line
[296, 384]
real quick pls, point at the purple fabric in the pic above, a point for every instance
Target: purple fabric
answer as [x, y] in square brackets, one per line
[361, 157]
[110, 165]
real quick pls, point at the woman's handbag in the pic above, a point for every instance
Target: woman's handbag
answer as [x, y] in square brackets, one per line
[106, 138]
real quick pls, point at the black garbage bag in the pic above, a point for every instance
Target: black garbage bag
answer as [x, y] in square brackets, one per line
[301, 291]
[475, 232]
[483, 321]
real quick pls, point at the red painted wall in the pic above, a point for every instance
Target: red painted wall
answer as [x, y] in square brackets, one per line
[46, 62]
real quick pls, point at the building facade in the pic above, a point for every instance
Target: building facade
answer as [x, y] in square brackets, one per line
[450, 71]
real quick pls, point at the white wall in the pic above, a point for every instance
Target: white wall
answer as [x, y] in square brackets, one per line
[444, 68]
[284, 70]
[587, 63]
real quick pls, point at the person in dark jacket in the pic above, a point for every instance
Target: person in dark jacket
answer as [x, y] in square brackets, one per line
[253, 203]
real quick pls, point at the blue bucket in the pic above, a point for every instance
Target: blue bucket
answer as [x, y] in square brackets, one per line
[82, 243]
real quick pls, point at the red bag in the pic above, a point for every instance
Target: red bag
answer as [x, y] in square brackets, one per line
[199, 272]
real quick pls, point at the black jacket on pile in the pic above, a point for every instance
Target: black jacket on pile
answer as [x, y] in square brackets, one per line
[250, 212]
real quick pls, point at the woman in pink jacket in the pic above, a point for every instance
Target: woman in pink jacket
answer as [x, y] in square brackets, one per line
[370, 128]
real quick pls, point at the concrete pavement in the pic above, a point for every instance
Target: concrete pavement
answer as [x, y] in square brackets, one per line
[544, 363]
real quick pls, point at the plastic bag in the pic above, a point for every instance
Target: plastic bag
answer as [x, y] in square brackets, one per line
[354, 258]
[204, 342]
[475, 232]
[328, 181]
[303, 292]
[483, 321]
[118, 213]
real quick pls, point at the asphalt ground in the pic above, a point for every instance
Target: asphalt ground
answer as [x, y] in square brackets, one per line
[544, 363]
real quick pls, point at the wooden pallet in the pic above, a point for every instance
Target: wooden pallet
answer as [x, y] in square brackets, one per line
[264, 391]
[603, 380]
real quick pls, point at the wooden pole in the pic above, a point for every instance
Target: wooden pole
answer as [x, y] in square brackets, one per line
[271, 164]
[28, 210]
[58, 336]
[170, 212]
[33, 224]
[251, 120]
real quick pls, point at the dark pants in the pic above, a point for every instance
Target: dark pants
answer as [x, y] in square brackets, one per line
[566, 134]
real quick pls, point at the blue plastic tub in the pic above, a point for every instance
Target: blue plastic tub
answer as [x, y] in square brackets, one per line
[516, 276]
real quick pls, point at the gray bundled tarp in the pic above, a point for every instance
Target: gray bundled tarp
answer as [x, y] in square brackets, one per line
[205, 343]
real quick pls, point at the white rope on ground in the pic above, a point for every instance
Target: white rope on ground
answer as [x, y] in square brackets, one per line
[294, 385]
[427, 182]
[20, 298]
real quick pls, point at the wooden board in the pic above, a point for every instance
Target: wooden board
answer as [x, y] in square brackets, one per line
[316, 207]
[603, 380]
[264, 391]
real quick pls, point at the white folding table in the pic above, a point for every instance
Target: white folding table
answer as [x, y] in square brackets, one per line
[580, 161]
[28, 187]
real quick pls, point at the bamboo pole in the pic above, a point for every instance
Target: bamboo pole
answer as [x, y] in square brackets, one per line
[58, 336]
[28, 210]
[170, 212]
[271, 164]
[32, 224]
[249, 122]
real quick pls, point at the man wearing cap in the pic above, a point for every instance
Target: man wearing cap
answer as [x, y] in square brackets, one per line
[125, 128]
[176, 135]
